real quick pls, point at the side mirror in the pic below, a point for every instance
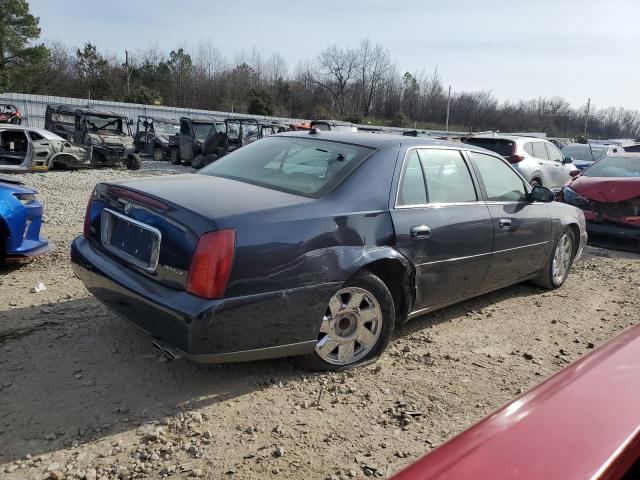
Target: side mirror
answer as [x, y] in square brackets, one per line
[567, 160]
[542, 194]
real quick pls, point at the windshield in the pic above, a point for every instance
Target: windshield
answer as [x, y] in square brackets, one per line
[97, 123]
[582, 152]
[166, 128]
[301, 166]
[499, 145]
[621, 167]
[201, 130]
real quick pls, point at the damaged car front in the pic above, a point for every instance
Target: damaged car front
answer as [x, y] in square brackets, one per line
[609, 194]
[110, 137]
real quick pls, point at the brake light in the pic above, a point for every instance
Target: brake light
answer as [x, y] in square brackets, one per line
[87, 217]
[211, 264]
[515, 158]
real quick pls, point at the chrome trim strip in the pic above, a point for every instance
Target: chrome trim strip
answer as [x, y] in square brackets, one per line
[457, 259]
[440, 205]
[105, 238]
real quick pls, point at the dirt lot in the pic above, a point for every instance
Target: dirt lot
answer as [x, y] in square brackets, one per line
[84, 394]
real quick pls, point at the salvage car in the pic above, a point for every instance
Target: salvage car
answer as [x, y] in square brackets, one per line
[107, 133]
[584, 154]
[318, 244]
[20, 222]
[537, 160]
[581, 423]
[609, 194]
[25, 149]
[201, 140]
[152, 136]
[10, 114]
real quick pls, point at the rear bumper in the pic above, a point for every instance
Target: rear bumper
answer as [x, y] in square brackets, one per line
[42, 248]
[265, 325]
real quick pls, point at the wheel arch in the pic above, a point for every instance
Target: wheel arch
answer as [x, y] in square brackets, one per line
[397, 273]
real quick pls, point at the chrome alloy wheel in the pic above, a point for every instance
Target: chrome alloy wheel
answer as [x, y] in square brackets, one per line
[562, 258]
[350, 328]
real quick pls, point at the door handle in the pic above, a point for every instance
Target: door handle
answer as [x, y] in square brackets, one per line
[505, 223]
[540, 162]
[420, 231]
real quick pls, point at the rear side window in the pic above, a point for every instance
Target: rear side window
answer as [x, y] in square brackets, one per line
[528, 147]
[500, 181]
[412, 188]
[300, 166]
[447, 177]
[539, 151]
[501, 146]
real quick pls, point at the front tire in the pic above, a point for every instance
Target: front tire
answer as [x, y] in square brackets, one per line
[174, 156]
[132, 162]
[559, 264]
[198, 161]
[357, 325]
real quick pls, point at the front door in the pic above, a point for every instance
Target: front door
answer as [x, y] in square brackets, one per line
[441, 226]
[186, 139]
[521, 228]
[41, 149]
[560, 169]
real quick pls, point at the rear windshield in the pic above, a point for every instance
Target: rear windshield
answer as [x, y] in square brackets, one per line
[301, 166]
[621, 167]
[500, 146]
[582, 152]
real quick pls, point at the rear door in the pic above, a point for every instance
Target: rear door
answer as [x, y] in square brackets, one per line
[441, 226]
[186, 141]
[521, 228]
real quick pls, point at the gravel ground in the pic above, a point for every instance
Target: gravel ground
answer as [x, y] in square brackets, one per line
[83, 394]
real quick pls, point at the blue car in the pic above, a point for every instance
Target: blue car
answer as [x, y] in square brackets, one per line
[20, 221]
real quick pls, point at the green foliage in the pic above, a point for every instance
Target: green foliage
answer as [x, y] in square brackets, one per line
[145, 96]
[260, 103]
[94, 70]
[18, 28]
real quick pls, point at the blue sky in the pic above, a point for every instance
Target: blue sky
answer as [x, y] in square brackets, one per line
[518, 49]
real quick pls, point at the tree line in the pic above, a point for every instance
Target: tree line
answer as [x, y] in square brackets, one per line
[360, 84]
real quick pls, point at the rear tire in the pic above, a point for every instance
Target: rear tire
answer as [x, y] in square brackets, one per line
[132, 162]
[198, 161]
[559, 264]
[174, 156]
[159, 155]
[357, 325]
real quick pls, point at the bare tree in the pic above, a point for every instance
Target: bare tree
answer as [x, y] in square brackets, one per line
[374, 63]
[336, 72]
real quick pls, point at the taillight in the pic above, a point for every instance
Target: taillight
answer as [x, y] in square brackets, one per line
[87, 218]
[515, 158]
[211, 264]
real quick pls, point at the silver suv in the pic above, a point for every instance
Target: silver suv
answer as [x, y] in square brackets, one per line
[537, 160]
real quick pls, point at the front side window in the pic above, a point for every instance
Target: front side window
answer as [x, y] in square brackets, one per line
[412, 189]
[500, 181]
[305, 167]
[35, 136]
[554, 153]
[201, 130]
[447, 176]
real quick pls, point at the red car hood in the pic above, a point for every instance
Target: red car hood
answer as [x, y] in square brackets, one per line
[605, 189]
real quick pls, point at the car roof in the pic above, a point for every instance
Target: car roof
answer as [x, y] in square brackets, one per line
[593, 145]
[77, 108]
[379, 140]
[203, 119]
[41, 131]
[158, 119]
[506, 137]
[333, 122]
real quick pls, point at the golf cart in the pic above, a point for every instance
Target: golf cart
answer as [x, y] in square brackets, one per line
[201, 140]
[107, 133]
[152, 136]
[9, 113]
[242, 131]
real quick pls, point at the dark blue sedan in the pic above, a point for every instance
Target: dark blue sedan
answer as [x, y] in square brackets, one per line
[20, 222]
[318, 244]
